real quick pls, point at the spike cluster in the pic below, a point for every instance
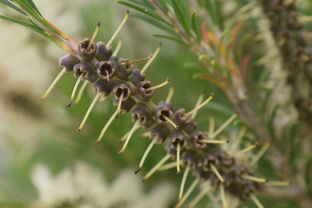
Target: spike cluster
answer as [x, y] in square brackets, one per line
[292, 42]
[196, 152]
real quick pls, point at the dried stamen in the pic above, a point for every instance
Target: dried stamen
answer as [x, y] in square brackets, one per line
[256, 201]
[139, 60]
[118, 30]
[253, 178]
[246, 149]
[223, 126]
[211, 125]
[178, 157]
[170, 121]
[117, 49]
[129, 135]
[150, 60]
[57, 78]
[155, 168]
[160, 85]
[199, 197]
[147, 151]
[200, 99]
[168, 166]
[110, 120]
[187, 193]
[217, 173]
[94, 35]
[200, 106]
[88, 111]
[81, 91]
[223, 199]
[186, 171]
[73, 94]
[260, 153]
[212, 141]
[170, 95]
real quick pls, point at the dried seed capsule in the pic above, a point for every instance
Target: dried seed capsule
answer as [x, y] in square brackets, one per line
[103, 87]
[102, 53]
[190, 159]
[178, 138]
[164, 111]
[86, 50]
[209, 160]
[127, 105]
[105, 70]
[160, 133]
[224, 159]
[123, 69]
[144, 91]
[181, 118]
[136, 77]
[68, 62]
[143, 114]
[84, 70]
[237, 172]
[197, 139]
[123, 90]
[172, 150]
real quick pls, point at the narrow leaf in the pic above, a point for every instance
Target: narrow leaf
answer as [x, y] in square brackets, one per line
[9, 4]
[169, 38]
[181, 16]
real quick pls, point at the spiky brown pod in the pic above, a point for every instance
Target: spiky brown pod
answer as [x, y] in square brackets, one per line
[296, 54]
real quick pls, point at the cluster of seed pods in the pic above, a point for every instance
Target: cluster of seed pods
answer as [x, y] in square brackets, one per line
[296, 54]
[197, 152]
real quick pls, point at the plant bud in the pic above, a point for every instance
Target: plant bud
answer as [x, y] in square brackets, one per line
[163, 110]
[189, 159]
[160, 133]
[68, 62]
[102, 53]
[178, 138]
[197, 138]
[209, 160]
[136, 77]
[86, 50]
[123, 90]
[103, 87]
[123, 69]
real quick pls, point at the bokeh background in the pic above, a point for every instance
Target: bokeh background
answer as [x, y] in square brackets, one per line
[44, 161]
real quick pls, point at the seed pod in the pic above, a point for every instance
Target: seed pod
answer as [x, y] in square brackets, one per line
[200, 173]
[127, 105]
[190, 159]
[102, 53]
[185, 122]
[237, 172]
[209, 160]
[143, 114]
[178, 138]
[197, 139]
[136, 77]
[68, 62]
[84, 70]
[160, 133]
[105, 70]
[144, 91]
[86, 50]
[123, 69]
[247, 189]
[225, 160]
[163, 110]
[171, 150]
[103, 87]
[124, 90]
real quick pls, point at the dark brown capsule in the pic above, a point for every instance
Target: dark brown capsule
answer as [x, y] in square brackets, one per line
[68, 62]
[86, 50]
[102, 53]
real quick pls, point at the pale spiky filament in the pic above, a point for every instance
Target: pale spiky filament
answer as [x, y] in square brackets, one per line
[178, 158]
[223, 199]
[73, 94]
[256, 201]
[200, 106]
[57, 78]
[160, 85]
[147, 151]
[88, 111]
[96, 31]
[212, 141]
[199, 197]
[118, 47]
[186, 171]
[170, 95]
[155, 168]
[217, 173]
[171, 122]
[140, 60]
[246, 149]
[223, 126]
[187, 193]
[211, 125]
[109, 122]
[118, 29]
[81, 91]
[253, 178]
[277, 183]
[199, 101]
[239, 139]
[260, 153]
[131, 132]
[168, 166]
[151, 60]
